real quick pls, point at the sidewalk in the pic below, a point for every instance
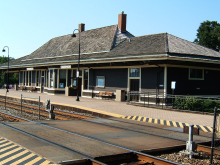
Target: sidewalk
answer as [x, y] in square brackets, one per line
[120, 108]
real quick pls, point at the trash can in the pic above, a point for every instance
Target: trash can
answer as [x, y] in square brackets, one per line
[120, 95]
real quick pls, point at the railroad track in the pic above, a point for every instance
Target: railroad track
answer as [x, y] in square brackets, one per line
[138, 156]
[131, 155]
[12, 118]
[30, 109]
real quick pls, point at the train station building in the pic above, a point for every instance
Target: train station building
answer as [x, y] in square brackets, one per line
[112, 59]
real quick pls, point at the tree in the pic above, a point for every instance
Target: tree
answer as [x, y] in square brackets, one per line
[208, 35]
[13, 77]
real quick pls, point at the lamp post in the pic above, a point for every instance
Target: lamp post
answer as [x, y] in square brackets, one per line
[77, 83]
[7, 87]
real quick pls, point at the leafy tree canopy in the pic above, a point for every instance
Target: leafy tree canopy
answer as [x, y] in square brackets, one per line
[208, 35]
[13, 77]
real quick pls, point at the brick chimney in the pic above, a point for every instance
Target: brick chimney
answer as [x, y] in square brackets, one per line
[122, 21]
[81, 27]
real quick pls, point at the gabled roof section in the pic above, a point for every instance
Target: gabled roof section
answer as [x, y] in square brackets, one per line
[96, 40]
[143, 45]
[121, 37]
[181, 46]
[162, 43]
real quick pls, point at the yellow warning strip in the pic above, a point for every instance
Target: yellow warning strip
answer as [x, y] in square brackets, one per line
[2, 141]
[168, 123]
[181, 125]
[210, 128]
[203, 128]
[161, 121]
[187, 124]
[139, 118]
[4, 149]
[10, 152]
[134, 117]
[5, 144]
[45, 162]
[23, 159]
[14, 157]
[144, 119]
[174, 123]
[35, 160]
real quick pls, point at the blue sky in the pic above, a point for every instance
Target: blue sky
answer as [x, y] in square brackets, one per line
[28, 24]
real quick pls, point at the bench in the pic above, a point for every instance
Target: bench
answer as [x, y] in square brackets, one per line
[103, 94]
[23, 88]
[32, 89]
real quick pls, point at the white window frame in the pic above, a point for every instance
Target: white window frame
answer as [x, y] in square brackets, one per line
[100, 77]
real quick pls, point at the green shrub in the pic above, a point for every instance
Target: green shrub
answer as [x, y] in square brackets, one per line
[195, 104]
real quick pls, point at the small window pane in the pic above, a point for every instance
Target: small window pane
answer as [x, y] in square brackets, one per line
[62, 80]
[62, 74]
[100, 81]
[135, 72]
[51, 73]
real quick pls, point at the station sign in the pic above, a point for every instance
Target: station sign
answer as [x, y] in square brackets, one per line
[173, 85]
[29, 68]
[65, 66]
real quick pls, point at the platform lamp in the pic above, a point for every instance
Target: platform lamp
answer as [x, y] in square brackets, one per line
[7, 87]
[77, 83]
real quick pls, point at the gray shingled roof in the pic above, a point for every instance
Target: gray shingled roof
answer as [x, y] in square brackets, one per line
[161, 43]
[95, 40]
[66, 48]
[181, 46]
[102, 43]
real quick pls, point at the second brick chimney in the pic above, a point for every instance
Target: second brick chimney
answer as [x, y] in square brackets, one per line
[122, 21]
[81, 27]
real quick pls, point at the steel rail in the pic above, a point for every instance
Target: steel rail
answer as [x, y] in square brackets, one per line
[101, 141]
[201, 148]
[13, 116]
[90, 138]
[78, 153]
[127, 129]
[45, 113]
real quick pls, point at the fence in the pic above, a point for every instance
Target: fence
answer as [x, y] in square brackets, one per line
[34, 99]
[181, 102]
[168, 101]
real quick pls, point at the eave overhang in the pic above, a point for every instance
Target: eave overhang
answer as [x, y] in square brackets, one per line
[130, 58]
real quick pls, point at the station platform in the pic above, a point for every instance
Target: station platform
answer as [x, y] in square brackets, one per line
[122, 110]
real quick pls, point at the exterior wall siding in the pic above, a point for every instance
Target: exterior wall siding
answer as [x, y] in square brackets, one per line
[184, 86]
[152, 79]
[114, 79]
